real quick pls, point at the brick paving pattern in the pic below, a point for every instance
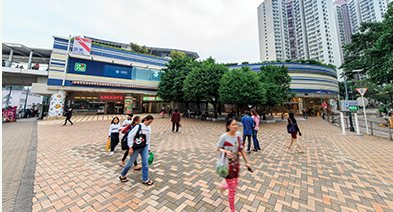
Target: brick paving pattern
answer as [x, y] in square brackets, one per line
[337, 173]
[16, 139]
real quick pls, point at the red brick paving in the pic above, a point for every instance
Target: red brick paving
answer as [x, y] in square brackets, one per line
[337, 173]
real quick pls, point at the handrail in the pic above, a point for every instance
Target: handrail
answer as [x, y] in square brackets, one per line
[380, 130]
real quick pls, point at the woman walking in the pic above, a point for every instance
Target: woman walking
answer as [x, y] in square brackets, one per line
[231, 144]
[175, 120]
[143, 128]
[292, 121]
[125, 130]
[256, 119]
[114, 134]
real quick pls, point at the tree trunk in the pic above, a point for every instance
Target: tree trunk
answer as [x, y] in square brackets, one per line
[198, 106]
[215, 109]
[264, 113]
[282, 110]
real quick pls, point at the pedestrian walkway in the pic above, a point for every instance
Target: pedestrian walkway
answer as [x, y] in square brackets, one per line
[337, 173]
[16, 141]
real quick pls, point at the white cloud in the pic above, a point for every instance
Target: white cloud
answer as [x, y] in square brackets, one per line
[225, 30]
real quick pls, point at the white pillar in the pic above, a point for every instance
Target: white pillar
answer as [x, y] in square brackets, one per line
[357, 124]
[30, 58]
[56, 106]
[342, 123]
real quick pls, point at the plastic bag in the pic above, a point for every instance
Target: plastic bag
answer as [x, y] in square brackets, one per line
[108, 144]
[222, 165]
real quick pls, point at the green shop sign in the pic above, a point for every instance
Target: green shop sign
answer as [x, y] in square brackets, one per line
[151, 98]
[80, 67]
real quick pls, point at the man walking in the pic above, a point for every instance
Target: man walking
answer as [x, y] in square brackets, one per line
[248, 123]
[68, 115]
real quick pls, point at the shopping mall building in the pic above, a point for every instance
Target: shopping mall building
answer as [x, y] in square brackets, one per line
[95, 76]
[313, 84]
[101, 77]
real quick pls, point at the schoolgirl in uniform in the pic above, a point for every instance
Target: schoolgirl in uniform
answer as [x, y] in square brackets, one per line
[114, 134]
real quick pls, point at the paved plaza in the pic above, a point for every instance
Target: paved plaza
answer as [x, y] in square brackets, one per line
[337, 173]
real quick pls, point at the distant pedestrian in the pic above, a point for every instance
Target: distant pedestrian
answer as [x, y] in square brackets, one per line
[175, 120]
[304, 114]
[292, 121]
[145, 129]
[256, 119]
[128, 121]
[247, 122]
[68, 115]
[170, 111]
[162, 112]
[129, 127]
[232, 145]
[114, 134]
[390, 112]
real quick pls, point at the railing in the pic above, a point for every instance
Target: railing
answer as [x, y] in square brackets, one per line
[374, 128]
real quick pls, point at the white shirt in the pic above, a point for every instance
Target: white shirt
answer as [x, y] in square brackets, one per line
[145, 130]
[126, 122]
[114, 128]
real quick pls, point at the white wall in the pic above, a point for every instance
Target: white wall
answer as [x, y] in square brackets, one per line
[19, 96]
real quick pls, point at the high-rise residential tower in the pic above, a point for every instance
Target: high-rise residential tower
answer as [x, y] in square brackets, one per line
[273, 30]
[311, 27]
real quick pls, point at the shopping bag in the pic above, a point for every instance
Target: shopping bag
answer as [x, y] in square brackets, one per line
[222, 165]
[108, 144]
[151, 158]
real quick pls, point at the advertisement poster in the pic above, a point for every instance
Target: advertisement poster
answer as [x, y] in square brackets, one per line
[9, 114]
[128, 105]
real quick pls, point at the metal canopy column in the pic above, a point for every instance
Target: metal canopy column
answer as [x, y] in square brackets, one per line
[10, 58]
[30, 58]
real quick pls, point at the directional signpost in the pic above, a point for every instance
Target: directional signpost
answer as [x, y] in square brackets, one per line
[362, 91]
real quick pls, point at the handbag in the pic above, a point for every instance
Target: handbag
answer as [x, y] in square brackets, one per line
[139, 139]
[222, 165]
[179, 125]
[291, 128]
[108, 144]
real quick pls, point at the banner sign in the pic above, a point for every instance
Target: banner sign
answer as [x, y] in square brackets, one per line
[9, 114]
[81, 46]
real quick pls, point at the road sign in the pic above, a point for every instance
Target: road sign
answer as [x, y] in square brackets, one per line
[348, 106]
[362, 91]
[360, 101]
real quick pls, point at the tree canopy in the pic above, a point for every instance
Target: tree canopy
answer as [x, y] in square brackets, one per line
[242, 87]
[177, 54]
[203, 82]
[371, 50]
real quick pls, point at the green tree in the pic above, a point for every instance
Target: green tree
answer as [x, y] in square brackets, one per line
[371, 50]
[203, 82]
[351, 85]
[276, 82]
[170, 87]
[177, 54]
[388, 90]
[137, 48]
[241, 87]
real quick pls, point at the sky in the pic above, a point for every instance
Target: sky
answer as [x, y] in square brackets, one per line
[226, 30]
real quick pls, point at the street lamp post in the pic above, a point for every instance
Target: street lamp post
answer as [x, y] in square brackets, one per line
[351, 128]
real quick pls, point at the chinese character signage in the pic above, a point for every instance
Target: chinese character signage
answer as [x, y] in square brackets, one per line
[80, 67]
[81, 46]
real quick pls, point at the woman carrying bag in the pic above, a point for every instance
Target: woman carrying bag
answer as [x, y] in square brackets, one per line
[293, 129]
[139, 143]
[231, 144]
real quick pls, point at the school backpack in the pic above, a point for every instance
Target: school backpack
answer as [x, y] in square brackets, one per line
[124, 140]
[291, 128]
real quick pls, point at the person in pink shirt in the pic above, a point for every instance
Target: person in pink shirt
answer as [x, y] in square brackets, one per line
[256, 118]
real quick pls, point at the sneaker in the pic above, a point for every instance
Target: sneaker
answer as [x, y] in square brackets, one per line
[248, 152]
[111, 154]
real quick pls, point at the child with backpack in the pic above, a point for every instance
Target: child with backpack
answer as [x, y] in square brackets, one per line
[125, 132]
[293, 129]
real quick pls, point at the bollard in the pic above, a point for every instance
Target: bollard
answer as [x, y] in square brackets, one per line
[390, 131]
[342, 123]
[371, 127]
[357, 125]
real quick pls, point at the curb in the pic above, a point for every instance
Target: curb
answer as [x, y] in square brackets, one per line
[24, 197]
